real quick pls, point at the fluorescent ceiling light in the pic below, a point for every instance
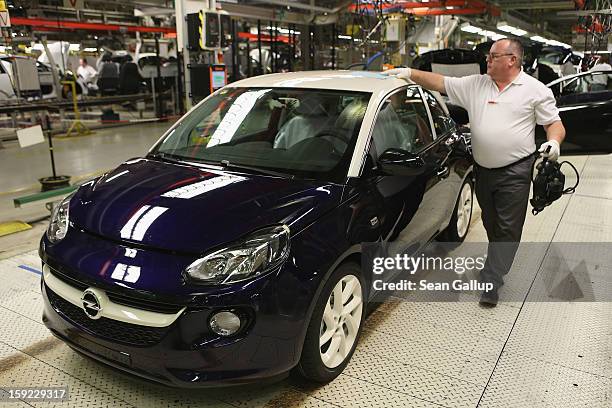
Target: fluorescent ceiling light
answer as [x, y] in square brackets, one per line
[498, 37]
[488, 33]
[282, 30]
[505, 27]
[538, 38]
[38, 47]
[470, 28]
[518, 32]
[344, 37]
[74, 47]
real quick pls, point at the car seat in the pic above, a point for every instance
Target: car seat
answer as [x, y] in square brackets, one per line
[108, 78]
[390, 132]
[129, 79]
[311, 117]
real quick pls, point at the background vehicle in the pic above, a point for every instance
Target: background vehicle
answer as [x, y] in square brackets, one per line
[452, 62]
[586, 112]
[45, 77]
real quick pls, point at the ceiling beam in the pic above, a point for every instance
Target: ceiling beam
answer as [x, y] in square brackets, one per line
[538, 5]
[584, 12]
[77, 25]
[296, 5]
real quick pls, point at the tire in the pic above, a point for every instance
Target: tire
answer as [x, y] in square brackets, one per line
[321, 363]
[462, 214]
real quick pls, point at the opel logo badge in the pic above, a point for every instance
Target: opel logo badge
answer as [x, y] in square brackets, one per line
[91, 304]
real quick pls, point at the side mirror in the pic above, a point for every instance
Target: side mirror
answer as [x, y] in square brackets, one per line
[398, 162]
[459, 115]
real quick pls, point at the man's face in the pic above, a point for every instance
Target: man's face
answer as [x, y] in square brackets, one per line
[83, 63]
[500, 60]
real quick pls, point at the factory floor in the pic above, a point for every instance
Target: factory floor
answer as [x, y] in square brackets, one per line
[528, 352]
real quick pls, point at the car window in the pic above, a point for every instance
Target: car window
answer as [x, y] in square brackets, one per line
[442, 122]
[304, 132]
[591, 82]
[402, 123]
[552, 57]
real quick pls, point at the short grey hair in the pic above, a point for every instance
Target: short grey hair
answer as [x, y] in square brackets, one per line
[516, 47]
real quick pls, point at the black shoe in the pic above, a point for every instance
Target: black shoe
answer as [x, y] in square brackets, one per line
[489, 299]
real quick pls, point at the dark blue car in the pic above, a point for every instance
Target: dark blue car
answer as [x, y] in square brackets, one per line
[231, 252]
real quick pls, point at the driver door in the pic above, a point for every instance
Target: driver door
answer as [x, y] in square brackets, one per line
[411, 205]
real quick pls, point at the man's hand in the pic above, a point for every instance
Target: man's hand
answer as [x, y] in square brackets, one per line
[553, 153]
[427, 80]
[400, 73]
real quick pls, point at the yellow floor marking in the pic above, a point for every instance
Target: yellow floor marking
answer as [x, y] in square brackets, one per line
[12, 227]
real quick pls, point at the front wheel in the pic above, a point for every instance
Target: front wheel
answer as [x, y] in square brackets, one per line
[335, 325]
[462, 214]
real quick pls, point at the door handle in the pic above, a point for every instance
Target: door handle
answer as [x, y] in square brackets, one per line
[443, 172]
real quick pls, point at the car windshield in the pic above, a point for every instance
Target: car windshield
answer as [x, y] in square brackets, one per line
[308, 133]
[552, 57]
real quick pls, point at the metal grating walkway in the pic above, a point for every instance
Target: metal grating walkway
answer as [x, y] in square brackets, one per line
[530, 354]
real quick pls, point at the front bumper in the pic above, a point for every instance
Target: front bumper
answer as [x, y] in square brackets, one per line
[185, 353]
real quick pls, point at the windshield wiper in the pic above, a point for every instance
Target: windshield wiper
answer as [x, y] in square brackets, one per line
[227, 165]
[164, 157]
[171, 158]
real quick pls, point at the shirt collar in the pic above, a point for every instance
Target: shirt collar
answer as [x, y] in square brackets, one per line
[520, 78]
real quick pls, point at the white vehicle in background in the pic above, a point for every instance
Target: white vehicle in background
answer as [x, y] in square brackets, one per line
[35, 79]
[564, 62]
[147, 65]
[7, 92]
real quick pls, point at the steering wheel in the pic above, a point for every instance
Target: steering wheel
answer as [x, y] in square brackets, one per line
[335, 133]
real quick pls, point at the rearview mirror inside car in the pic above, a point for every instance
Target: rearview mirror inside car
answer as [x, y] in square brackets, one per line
[398, 162]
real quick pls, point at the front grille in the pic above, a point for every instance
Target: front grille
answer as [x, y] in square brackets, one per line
[120, 298]
[68, 279]
[120, 332]
[143, 304]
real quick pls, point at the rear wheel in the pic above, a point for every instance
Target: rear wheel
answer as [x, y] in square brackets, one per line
[335, 325]
[462, 214]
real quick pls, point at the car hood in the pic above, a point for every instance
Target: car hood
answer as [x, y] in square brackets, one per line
[191, 209]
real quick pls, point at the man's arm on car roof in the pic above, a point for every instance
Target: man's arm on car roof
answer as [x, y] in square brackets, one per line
[428, 80]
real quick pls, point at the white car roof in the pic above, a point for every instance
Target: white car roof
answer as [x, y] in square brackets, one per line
[565, 78]
[360, 81]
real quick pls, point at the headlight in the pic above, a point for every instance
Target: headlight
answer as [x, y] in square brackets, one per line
[254, 255]
[59, 221]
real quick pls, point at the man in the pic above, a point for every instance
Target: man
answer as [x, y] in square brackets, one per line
[504, 106]
[567, 68]
[86, 71]
[600, 82]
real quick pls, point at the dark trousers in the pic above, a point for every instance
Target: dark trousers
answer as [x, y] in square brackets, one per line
[503, 195]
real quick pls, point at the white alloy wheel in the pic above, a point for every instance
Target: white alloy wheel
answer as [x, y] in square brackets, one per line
[341, 321]
[464, 210]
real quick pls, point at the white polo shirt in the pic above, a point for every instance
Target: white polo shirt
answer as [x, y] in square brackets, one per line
[503, 123]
